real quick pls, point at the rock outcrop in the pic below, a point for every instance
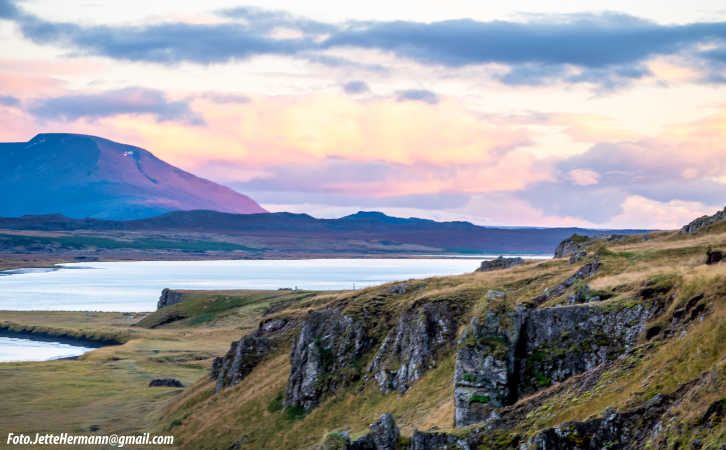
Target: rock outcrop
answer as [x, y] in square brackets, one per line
[703, 221]
[239, 361]
[571, 245]
[577, 256]
[325, 354]
[485, 362]
[245, 354]
[586, 271]
[383, 435]
[499, 264]
[510, 352]
[563, 341]
[168, 298]
[412, 347]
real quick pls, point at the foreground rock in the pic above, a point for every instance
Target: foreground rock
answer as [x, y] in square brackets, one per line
[168, 298]
[383, 435]
[324, 355]
[413, 346]
[499, 263]
[165, 382]
[704, 221]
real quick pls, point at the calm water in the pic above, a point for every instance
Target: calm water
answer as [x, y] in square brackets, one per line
[135, 286]
[18, 349]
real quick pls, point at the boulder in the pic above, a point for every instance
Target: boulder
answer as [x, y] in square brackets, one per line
[165, 382]
[713, 257]
[412, 347]
[499, 264]
[325, 354]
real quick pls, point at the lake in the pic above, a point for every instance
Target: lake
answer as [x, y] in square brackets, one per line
[135, 286]
[22, 349]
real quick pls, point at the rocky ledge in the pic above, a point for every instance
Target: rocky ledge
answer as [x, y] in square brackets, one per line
[499, 263]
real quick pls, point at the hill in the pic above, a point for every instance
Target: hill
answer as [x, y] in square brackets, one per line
[88, 176]
[615, 344]
[275, 234]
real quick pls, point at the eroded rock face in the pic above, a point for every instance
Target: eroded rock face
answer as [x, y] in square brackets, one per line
[412, 347]
[703, 222]
[245, 354]
[571, 245]
[485, 372]
[325, 354]
[564, 341]
[168, 298]
[510, 353]
[239, 361]
[499, 264]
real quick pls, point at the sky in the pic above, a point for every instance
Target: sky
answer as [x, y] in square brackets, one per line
[558, 113]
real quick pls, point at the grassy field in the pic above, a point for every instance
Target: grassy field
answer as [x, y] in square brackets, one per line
[107, 388]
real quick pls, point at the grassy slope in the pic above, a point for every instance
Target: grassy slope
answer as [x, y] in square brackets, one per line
[251, 412]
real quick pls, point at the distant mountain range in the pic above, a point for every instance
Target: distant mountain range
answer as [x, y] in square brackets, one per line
[87, 176]
[300, 233]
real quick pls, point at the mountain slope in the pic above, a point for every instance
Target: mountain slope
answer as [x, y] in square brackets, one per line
[87, 176]
[304, 233]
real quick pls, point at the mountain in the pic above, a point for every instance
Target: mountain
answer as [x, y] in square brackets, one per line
[88, 176]
[302, 233]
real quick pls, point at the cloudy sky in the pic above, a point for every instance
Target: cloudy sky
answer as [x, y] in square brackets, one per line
[509, 114]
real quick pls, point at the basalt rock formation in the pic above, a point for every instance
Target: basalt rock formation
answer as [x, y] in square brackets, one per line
[514, 352]
[412, 347]
[325, 355]
[244, 355]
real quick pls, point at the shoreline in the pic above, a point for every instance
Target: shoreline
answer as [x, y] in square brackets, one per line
[81, 339]
[7, 265]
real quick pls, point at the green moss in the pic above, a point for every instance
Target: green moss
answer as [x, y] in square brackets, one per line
[479, 399]
[295, 412]
[174, 423]
[276, 404]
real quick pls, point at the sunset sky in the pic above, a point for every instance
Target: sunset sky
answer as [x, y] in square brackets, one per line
[522, 113]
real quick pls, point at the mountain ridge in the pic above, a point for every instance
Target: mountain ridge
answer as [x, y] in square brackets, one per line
[93, 176]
